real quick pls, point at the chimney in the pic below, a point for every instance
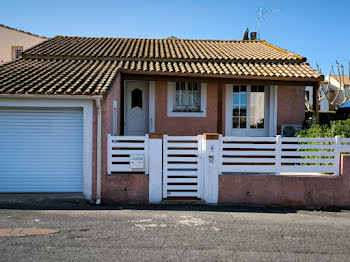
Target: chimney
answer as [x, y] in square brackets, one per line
[253, 36]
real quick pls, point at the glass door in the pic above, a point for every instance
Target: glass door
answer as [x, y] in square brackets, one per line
[248, 110]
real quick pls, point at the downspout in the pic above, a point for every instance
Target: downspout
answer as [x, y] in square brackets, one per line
[98, 157]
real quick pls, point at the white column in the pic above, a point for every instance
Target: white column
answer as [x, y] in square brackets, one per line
[155, 168]
[337, 155]
[211, 168]
[278, 155]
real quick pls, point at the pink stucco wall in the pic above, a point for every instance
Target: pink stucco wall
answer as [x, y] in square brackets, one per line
[130, 188]
[291, 191]
[185, 125]
[290, 105]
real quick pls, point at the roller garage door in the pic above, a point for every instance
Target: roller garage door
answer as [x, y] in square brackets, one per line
[41, 150]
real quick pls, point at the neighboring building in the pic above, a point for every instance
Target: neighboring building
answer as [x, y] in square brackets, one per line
[14, 41]
[61, 99]
[334, 85]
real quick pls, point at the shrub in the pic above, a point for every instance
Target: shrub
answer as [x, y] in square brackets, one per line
[336, 128]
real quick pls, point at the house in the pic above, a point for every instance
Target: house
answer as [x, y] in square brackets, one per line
[14, 41]
[333, 82]
[62, 98]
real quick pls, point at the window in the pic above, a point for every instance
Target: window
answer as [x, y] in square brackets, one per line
[16, 50]
[248, 109]
[187, 97]
[136, 98]
[257, 106]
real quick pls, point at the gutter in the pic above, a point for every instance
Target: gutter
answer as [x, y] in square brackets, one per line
[33, 96]
[98, 145]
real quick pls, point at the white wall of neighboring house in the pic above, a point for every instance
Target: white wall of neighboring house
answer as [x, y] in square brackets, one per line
[334, 86]
[10, 37]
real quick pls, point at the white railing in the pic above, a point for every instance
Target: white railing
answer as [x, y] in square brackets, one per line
[123, 150]
[276, 154]
[182, 166]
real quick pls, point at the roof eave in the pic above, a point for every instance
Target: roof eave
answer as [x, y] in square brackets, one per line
[224, 76]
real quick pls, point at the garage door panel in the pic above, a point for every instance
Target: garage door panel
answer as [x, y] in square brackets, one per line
[41, 150]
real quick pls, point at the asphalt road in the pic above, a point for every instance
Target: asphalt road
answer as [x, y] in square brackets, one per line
[177, 233]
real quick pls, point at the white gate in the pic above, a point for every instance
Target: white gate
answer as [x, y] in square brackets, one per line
[182, 169]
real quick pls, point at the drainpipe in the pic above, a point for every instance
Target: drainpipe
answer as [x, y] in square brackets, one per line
[98, 144]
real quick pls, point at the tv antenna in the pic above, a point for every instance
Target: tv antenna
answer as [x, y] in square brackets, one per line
[260, 15]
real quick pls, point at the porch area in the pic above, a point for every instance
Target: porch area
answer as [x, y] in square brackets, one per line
[229, 170]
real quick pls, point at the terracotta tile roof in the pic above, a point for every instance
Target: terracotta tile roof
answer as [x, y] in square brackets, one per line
[49, 76]
[95, 77]
[171, 48]
[89, 66]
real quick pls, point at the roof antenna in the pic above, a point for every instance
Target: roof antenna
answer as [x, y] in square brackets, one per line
[260, 16]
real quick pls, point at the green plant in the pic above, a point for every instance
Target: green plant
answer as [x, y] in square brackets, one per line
[336, 128]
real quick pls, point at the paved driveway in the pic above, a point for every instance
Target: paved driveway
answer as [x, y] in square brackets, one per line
[175, 233]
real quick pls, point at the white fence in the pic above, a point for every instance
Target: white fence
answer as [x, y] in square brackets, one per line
[182, 166]
[189, 166]
[277, 155]
[123, 150]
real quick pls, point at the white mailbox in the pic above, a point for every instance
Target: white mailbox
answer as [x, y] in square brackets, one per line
[137, 161]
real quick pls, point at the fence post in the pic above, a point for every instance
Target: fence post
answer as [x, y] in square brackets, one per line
[165, 165]
[337, 152]
[211, 168]
[278, 156]
[155, 168]
[109, 154]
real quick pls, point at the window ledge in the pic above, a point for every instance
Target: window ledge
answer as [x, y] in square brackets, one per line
[187, 114]
[186, 111]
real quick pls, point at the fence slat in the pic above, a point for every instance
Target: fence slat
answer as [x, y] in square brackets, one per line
[182, 159]
[307, 140]
[126, 152]
[255, 146]
[181, 138]
[307, 146]
[308, 160]
[183, 173]
[128, 138]
[247, 139]
[182, 180]
[306, 169]
[181, 194]
[182, 187]
[182, 145]
[120, 159]
[181, 152]
[248, 153]
[128, 145]
[248, 160]
[182, 166]
[248, 168]
[307, 153]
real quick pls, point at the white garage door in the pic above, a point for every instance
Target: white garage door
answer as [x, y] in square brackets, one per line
[41, 150]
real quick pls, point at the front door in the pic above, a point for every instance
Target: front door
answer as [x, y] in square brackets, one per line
[136, 108]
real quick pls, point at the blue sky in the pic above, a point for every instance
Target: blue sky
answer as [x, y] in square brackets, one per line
[318, 30]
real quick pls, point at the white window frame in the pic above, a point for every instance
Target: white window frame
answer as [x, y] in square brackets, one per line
[171, 99]
[270, 122]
